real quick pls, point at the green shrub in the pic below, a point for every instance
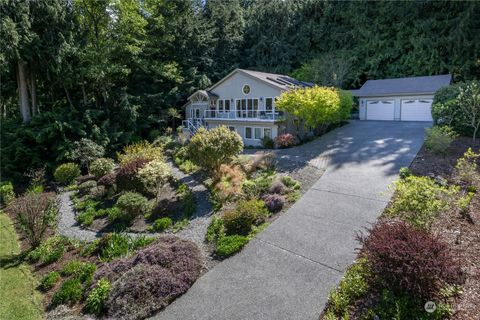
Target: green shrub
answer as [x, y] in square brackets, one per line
[246, 214]
[215, 230]
[418, 200]
[255, 187]
[114, 245]
[49, 251]
[6, 193]
[466, 168]
[291, 183]
[228, 245]
[101, 167]
[268, 143]
[82, 271]
[131, 205]
[189, 202]
[140, 150]
[97, 297]
[162, 224]
[352, 287]
[445, 106]
[404, 173]
[87, 186]
[212, 148]
[49, 280]
[154, 175]
[66, 173]
[70, 292]
[438, 139]
[71, 267]
[86, 151]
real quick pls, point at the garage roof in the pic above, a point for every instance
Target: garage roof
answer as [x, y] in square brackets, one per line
[410, 85]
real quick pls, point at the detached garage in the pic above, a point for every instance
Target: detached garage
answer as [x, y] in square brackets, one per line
[402, 99]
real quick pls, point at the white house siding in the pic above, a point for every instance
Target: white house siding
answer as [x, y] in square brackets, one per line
[240, 129]
[396, 98]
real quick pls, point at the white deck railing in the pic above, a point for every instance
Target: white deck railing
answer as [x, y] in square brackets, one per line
[244, 115]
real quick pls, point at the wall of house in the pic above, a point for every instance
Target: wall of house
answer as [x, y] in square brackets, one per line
[232, 88]
[398, 99]
[240, 126]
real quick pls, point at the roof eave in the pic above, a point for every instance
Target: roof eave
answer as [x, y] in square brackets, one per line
[359, 94]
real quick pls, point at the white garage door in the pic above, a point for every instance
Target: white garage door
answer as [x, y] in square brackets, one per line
[380, 109]
[416, 110]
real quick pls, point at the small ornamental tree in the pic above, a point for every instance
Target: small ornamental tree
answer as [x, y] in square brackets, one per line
[212, 148]
[35, 212]
[154, 176]
[469, 104]
[86, 151]
[316, 107]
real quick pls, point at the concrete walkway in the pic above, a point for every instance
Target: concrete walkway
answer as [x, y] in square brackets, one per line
[288, 271]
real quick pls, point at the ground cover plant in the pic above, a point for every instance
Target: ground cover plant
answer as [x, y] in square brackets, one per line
[422, 249]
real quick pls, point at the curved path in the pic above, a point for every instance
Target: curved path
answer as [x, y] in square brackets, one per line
[288, 270]
[195, 231]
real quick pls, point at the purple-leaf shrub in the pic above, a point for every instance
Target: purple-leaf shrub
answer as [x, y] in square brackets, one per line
[285, 140]
[274, 202]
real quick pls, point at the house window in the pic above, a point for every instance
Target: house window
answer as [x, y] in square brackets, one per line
[258, 133]
[227, 105]
[269, 104]
[267, 132]
[220, 105]
[247, 108]
[232, 129]
[248, 133]
[197, 113]
[246, 89]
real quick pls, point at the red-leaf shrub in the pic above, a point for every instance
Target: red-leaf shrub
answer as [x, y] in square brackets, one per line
[107, 180]
[149, 280]
[274, 202]
[126, 177]
[285, 140]
[407, 259]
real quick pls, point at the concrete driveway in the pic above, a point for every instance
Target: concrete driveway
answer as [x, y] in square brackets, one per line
[288, 271]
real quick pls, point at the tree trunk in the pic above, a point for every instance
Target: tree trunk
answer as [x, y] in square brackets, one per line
[23, 102]
[33, 93]
[67, 94]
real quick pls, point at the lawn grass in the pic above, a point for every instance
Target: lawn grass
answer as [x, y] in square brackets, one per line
[18, 297]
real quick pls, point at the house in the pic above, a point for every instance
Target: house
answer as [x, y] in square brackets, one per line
[244, 101]
[401, 99]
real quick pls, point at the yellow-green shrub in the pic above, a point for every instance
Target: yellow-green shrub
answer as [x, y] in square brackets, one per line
[140, 150]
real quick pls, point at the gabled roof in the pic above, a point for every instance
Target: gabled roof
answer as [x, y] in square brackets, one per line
[279, 81]
[410, 85]
[206, 93]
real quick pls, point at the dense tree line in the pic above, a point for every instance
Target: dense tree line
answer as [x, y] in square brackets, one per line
[119, 71]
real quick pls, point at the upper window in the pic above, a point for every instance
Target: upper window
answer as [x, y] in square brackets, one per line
[246, 89]
[268, 104]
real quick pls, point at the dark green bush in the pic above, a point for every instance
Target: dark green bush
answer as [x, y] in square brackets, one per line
[82, 271]
[229, 245]
[6, 193]
[162, 224]
[438, 139]
[127, 178]
[216, 230]
[49, 280]
[70, 292]
[66, 173]
[97, 297]
[114, 245]
[131, 205]
[291, 183]
[268, 143]
[246, 214]
[86, 186]
[49, 251]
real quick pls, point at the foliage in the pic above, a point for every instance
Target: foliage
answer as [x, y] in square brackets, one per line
[284, 140]
[246, 214]
[114, 245]
[162, 224]
[70, 292]
[466, 167]
[97, 297]
[66, 173]
[189, 202]
[154, 175]
[182, 160]
[316, 106]
[215, 231]
[404, 173]
[418, 200]
[107, 180]
[49, 280]
[290, 182]
[49, 251]
[258, 186]
[83, 271]
[268, 143]
[139, 150]
[228, 181]
[6, 193]
[352, 287]
[35, 213]
[86, 151]
[274, 202]
[445, 106]
[101, 167]
[148, 280]
[86, 186]
[127, 176]
[404, 258]
[228, 245]
[469, 105]
[278, 187]
[212, 148]
[439, 138]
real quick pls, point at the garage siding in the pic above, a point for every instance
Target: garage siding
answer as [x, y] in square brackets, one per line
[398, 101]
